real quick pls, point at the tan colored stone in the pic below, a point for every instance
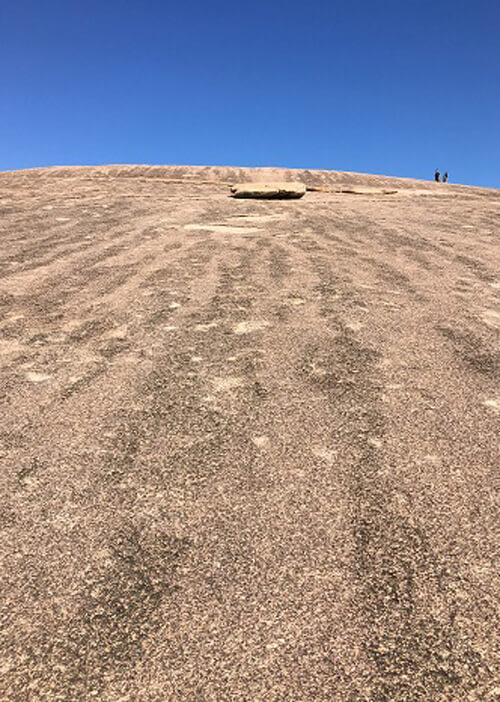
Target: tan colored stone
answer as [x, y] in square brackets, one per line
[281, 191]
[247, 497]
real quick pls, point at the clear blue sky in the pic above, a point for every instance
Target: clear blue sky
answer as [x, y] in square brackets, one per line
[397, 87]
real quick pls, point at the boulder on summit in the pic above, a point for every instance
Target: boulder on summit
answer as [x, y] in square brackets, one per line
[281, 191]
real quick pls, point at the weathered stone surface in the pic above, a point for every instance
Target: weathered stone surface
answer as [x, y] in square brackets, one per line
[247, 448]
[267, 191]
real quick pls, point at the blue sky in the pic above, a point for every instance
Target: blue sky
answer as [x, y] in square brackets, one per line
[397, 87]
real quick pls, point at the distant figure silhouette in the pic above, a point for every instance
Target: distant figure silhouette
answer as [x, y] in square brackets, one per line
[445, 177]
[436, 175]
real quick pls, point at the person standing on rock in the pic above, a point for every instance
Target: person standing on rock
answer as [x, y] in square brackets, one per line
[445, 177]
[436, 175]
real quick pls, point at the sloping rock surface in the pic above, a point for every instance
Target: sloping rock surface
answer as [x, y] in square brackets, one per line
[248, 449]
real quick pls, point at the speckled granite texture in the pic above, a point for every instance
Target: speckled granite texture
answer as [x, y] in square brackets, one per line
[249, 449]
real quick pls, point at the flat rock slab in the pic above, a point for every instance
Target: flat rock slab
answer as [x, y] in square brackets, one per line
[359, 190]
[269, 191]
